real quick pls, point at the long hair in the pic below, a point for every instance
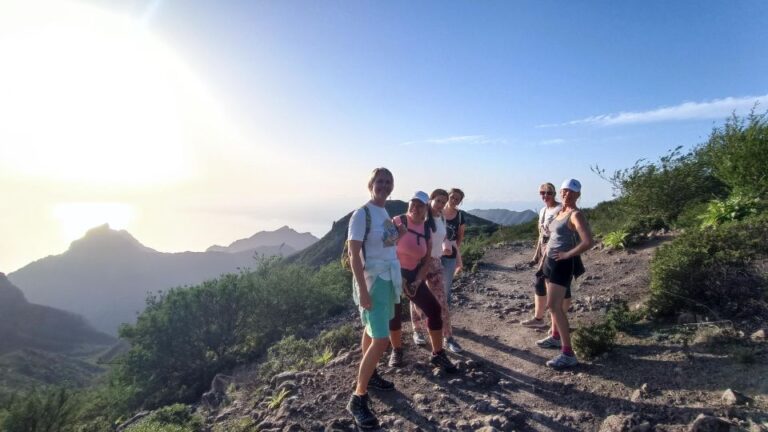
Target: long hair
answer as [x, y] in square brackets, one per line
[431, 219]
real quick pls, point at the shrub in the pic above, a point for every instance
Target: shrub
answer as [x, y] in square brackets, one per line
[734, 208]
[153, 426]
[710, 271]
[293, 353]
[616, 239]
[621, 318]
[343, 336]
[185, 336]
[41, 410]
[661, 190]
[738, 154]
[593, 340]
[277, 399]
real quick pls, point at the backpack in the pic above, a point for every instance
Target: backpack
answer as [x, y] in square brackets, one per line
[427, 232]
[346, 264]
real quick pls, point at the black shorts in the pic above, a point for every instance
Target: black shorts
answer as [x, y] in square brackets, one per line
[541, 287]
[560, 272]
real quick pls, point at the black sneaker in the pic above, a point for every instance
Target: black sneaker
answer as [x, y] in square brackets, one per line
[396, 358]
[378, 383]
[361, 412]
[441, 360]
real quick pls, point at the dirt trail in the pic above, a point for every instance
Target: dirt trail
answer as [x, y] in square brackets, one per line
[651, 380]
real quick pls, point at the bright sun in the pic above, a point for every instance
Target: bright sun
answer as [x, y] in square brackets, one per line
[77, 218]
[91, 96]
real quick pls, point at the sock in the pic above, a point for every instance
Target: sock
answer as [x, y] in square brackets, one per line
[568, 351]
[556, 334]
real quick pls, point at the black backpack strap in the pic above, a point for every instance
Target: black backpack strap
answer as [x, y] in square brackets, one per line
[367, 226]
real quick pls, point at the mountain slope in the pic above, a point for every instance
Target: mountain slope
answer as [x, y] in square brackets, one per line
[286, 237]
[329, 247]
[106, 275]
[505, 217]
[24, 325]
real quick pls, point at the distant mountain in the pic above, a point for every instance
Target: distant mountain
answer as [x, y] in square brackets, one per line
[106, 275]
[329, 248]
[24, 325]
[505, 217]
[285, 237]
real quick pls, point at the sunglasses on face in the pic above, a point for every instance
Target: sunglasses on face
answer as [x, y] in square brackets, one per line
[543, 193]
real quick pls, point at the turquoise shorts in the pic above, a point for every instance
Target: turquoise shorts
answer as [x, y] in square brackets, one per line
[376, 319]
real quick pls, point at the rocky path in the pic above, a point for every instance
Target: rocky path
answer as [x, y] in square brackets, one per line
[652, 381]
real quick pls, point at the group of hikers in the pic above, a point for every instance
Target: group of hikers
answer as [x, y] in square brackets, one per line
[417, 255]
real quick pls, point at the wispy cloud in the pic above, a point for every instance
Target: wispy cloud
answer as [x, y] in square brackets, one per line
[714, 109]
[553, 141]
[458, 139]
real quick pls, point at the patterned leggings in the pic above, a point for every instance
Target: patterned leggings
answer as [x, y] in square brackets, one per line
[437, 288]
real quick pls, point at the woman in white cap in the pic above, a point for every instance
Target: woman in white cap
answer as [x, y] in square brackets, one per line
[414, 250]
[435, 275]
[570, 236]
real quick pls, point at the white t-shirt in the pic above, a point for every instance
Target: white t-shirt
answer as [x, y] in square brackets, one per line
[546, 215]
[438, 236]
[380, 243]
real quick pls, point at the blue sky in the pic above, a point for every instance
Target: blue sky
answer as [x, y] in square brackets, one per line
[361, 77]
[196, 122]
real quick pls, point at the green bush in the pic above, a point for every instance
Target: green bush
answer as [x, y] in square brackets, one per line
[710, 271]
[185, 336]
[154, 426]
[616, 239]
[656, 193]
[341, 337]
[621, 318]
[593, 340]
[41, 410]
[734, 208]
[738, 154]
[293, 353]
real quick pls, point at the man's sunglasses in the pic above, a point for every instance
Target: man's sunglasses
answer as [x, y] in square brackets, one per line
[542, 193]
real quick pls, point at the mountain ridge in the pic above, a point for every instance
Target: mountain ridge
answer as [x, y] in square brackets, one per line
[284, 236]
[504, 216]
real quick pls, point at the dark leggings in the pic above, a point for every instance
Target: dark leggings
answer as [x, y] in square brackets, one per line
[423, 299]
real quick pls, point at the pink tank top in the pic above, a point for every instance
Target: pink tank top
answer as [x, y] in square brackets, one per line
[411, 248]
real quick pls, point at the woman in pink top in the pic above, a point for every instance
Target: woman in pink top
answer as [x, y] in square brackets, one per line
[414, 253]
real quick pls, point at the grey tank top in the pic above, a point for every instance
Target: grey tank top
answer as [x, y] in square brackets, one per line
[561, 237]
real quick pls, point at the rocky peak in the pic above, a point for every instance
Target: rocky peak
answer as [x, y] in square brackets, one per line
[104, 238]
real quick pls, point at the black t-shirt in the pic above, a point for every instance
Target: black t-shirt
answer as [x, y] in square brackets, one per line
[452, 230]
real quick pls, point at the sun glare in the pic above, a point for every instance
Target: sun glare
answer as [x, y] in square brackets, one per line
[76, 218]
[91, 96]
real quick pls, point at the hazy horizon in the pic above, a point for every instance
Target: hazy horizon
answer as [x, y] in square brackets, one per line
[191, 123]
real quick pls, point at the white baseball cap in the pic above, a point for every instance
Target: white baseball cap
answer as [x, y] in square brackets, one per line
[421, 196]
[571, 184]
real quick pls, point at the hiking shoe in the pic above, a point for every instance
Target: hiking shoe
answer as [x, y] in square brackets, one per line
[361, 412]
[563, 361]
[378, 383]
[548, 342]
[534, 323]
[452, 345]
[396, 358]
[419, 339]
[441, 360]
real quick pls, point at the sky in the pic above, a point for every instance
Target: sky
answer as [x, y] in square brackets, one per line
[192, 123]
